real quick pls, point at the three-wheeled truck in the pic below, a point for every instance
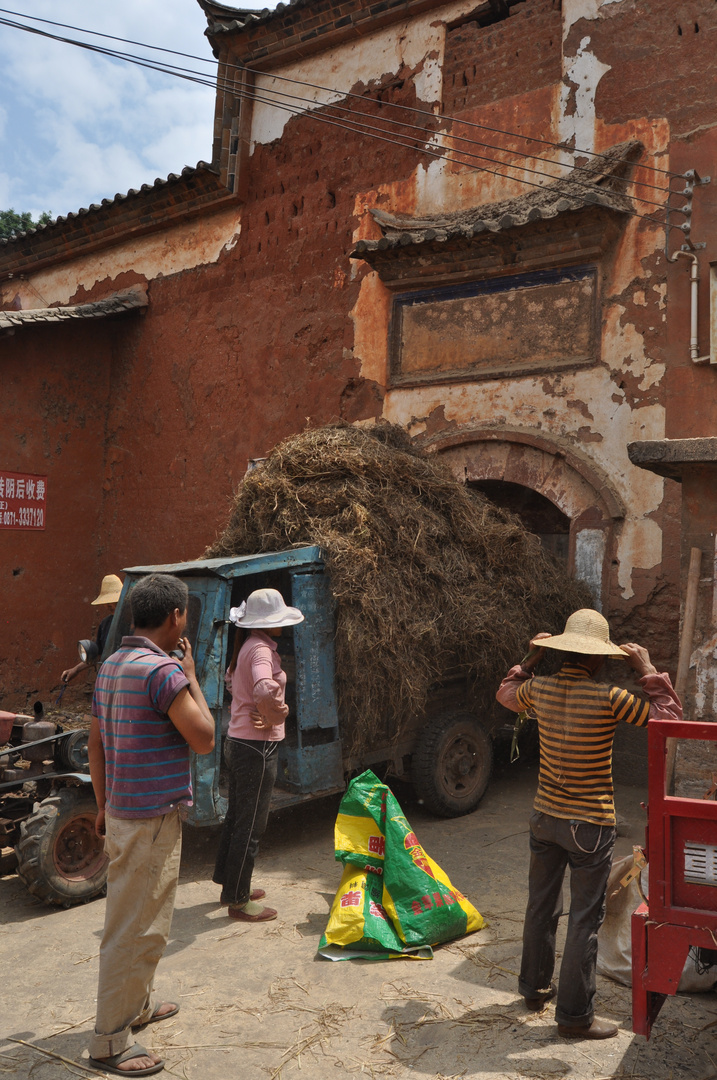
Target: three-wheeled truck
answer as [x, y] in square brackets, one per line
[447, 751]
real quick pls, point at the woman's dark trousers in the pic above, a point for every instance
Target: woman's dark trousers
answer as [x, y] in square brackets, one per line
[587, 849]
[252, 767]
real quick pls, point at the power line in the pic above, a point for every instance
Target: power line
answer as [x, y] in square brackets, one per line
[472, 142]
[455, 120]
[359, 97]
[364, 128]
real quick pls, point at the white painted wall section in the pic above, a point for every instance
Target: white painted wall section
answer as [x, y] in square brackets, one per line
[198, 242]
[577, 126]
[589, 559]
[364, 60]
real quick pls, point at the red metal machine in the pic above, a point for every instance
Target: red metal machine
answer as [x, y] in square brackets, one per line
[681, 911]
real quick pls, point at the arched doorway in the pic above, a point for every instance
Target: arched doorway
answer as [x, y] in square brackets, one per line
[556, 489]
[538, 514]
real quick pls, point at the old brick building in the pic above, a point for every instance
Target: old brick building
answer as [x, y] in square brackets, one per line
[451, 215]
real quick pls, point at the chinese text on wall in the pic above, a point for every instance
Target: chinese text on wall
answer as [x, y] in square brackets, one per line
[22, 501]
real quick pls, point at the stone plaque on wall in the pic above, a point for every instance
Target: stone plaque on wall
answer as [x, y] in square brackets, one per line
[504, 326]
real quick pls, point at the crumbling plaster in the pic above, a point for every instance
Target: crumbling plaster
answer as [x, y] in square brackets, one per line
[551, 405]
[589, 407]
[574, 10]
[582, 73]
[704, 662]
[197, 242]
[416, 44]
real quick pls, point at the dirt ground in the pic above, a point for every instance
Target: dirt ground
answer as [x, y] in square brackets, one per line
[256, 1002]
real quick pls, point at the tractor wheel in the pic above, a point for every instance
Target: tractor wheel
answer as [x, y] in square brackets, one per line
[72, 752]
[451, 764]
[60, 857]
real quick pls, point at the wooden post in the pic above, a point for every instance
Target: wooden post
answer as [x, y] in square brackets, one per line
[683, 662]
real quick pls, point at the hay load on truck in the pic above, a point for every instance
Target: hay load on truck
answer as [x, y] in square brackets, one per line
[429, 593]
[418, 594]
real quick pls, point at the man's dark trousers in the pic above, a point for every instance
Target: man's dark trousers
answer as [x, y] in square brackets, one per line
[587, 848]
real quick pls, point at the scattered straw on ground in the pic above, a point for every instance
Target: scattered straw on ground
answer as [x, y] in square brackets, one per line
[428, 576]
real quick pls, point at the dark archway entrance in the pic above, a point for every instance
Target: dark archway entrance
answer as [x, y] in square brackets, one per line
[537, 513]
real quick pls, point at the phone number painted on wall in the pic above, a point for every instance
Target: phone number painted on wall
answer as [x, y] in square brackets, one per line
[22, 501]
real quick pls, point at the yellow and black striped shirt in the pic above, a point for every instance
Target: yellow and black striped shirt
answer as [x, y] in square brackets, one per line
[577, 718]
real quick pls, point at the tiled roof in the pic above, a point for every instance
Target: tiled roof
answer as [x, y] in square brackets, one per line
[595, 184]
[116, 304]
[187, 171]
[223, 19]
[141, 211]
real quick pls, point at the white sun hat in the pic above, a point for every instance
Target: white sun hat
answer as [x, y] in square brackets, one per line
[586, 631]
[264, 609]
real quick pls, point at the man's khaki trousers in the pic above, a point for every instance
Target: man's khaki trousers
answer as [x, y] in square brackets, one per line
[144, 868]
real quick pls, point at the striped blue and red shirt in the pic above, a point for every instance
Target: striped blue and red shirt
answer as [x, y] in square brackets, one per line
[146, 759]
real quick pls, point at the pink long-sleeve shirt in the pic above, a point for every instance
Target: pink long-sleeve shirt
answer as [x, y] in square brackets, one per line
[258, 684]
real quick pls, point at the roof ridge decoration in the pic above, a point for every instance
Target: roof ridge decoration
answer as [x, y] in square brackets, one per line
[593, 184]
[188, 170]
[124, 300]
[213, 10]
[224, 19]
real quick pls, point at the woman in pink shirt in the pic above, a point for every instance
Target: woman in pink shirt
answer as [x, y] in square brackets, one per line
[257, 684]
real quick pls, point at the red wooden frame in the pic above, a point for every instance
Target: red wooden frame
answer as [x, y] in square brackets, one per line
[679, 914]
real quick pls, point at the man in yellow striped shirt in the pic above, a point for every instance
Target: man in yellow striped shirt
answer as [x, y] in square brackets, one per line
[573, 820]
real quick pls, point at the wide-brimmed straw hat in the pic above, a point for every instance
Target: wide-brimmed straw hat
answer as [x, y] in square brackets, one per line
[586, 631]
[264, 609]
[110, 590]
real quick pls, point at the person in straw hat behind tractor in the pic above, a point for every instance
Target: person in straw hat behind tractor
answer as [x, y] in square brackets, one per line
[108, 597]
[573, 820]
[257, 684]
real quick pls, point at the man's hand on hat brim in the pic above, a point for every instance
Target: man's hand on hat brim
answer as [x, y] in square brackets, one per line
[536, 653]
[638, 658]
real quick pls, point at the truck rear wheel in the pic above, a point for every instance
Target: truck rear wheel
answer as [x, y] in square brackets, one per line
[451, 764]
[60, 857]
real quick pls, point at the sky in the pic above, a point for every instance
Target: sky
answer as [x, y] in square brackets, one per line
[76, 127]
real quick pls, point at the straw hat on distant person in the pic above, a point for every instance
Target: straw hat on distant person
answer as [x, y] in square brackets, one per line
[110, 590]
[586, 631]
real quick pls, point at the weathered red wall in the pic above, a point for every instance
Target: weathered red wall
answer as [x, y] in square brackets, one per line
[55, 389]
[144, 424]
[228, 360]
[661, 54]
[517, 54]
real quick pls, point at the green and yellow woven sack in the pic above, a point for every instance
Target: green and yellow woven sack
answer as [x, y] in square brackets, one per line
[393, 900]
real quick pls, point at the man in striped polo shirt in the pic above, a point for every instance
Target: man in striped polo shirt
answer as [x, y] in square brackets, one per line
[148, 711]
[573, 823]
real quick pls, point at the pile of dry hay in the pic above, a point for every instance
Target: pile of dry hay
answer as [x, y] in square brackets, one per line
[427, 575]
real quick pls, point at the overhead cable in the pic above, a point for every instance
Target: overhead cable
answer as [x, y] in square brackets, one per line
[395, 139]
[363, 127]
[347, 94]
[431, 134]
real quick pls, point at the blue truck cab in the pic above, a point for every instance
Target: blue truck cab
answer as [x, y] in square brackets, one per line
[447, 751]
[310, 755]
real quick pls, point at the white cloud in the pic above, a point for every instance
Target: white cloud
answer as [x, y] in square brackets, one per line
[79, 127]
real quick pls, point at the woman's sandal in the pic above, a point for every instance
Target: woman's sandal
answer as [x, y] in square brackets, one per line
[265, 915]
